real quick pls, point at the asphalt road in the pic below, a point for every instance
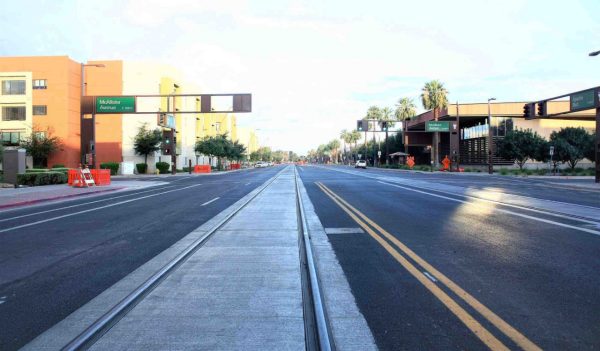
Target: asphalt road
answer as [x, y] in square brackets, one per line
[445, 272]
[56, 257]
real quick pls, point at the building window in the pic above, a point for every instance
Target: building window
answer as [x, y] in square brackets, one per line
[11, 138]
[40, 110]
[13, 87]
[16, 113]
[40, 84]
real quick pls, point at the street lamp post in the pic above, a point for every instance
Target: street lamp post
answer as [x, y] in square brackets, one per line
[92, 145]
[490, 140]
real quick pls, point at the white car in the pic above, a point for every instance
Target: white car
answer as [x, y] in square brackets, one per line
[260, 164]
[361, 164]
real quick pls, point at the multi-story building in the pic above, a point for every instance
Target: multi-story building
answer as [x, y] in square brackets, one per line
[43, 94]
[468, 136]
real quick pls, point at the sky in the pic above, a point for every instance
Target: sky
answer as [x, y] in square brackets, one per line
[314, 67]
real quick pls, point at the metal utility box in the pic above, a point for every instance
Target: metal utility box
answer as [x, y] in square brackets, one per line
[13, 163]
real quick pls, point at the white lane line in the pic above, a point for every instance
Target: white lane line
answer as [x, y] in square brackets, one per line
[344, 231]
[87, 203]
[93, 209]
[430, 277]
[206, 203]
[248, 183]
[595, 232]
[542, 211]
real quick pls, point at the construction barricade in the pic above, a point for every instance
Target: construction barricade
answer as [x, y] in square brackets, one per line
[101, 176]
[202, 169]
[236, 166]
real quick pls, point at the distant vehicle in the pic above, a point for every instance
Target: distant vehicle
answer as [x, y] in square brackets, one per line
[261, 164]
[361, 164]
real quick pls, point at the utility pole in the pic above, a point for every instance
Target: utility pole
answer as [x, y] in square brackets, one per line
[490, 140]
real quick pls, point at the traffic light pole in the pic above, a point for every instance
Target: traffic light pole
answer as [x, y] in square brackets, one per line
[597, 142]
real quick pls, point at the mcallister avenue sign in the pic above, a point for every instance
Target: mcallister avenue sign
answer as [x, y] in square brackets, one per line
[583, 100]
[437, 126]
[115, 104]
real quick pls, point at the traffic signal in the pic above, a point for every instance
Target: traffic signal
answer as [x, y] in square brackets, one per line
[384, 126]
[167, 142]
[528, 112]
[362, 125]
[541, 108]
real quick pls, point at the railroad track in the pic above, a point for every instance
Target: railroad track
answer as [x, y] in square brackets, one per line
[317, 331]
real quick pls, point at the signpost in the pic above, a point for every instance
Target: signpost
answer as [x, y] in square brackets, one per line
[437, 126]
[583, 100]
[115, 104]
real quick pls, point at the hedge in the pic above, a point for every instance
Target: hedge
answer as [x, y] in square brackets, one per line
[163, 167]
[141, 168]
[113, 166]
[37, 179]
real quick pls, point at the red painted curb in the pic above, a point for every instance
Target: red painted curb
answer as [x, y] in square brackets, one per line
[31, 202]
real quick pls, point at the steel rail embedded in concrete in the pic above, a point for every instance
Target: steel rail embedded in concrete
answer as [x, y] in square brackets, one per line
[322, 325]
[100, 326]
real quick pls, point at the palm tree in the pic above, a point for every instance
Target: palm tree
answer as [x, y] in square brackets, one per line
[434, 96]
[354, 138]
[386, 119]
[334, 146]
[373, 113]
[405, 110]
[344, 134]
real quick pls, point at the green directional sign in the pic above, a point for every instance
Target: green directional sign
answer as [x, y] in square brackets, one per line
[583, 100]
[437, 126]
[115, 104]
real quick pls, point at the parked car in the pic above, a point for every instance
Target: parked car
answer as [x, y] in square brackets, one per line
[260, 164]
[361, 164]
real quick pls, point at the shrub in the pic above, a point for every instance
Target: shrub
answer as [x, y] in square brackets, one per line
[58, 165]
[113, 166]
[37, 178]
[503, 171]
[141, 168]
[163, 167]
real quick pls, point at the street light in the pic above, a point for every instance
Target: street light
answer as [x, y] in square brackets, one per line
[92, 146]
[595, 53]
[490, 142]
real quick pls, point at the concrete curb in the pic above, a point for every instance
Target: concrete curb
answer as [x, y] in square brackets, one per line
[37, 201]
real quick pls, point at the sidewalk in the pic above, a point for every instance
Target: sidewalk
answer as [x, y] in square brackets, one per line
[15, 197]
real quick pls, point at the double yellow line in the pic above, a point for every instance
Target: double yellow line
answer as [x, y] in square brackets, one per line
[465, 317]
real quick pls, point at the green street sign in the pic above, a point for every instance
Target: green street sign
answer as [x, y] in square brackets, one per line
[437, 126]
[583, 100]
[115, 104]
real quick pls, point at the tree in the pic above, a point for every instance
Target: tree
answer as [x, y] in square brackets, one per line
[334, 147]
[521, 146]
[39, 145]
[575, 146]
[387, 118]
[237, 151]
[345, 136]
[434, 96]
[147, 141]
[354, 138]
[405, 109]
